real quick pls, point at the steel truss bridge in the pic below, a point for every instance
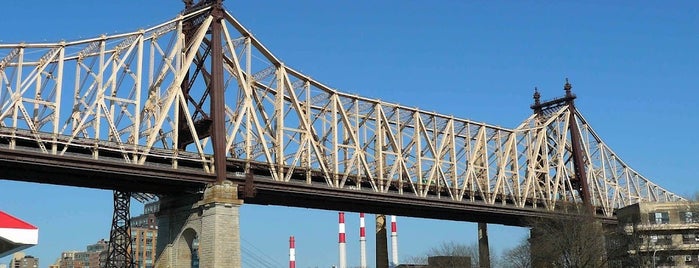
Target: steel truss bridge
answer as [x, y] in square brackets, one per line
[135, 112]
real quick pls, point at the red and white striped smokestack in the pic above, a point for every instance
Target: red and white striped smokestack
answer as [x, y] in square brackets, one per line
[394, 241]
[343, 251]
[292, 252]
[362, 241]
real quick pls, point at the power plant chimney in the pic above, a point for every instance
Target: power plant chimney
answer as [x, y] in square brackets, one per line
[362, 242]
[292, 252]
[394, 241]
[343, 251]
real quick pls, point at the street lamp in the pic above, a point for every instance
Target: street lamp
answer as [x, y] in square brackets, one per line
[655, 250]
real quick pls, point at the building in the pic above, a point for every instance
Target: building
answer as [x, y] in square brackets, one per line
[660, 234]
[93, 257]
[143, 246]
[144, 234]
[148, 218]
[19, 260]
[442, 262]
[69, 260]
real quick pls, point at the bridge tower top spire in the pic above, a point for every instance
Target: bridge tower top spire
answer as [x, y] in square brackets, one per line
[537, 101]
[545, 107]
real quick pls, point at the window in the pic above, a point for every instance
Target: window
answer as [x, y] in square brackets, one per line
[689, 217]
[661, 239]
[659, 217]
[691, 238]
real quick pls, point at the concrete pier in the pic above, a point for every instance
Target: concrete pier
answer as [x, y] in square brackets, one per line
[200, 228]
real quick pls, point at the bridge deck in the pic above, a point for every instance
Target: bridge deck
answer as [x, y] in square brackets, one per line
[26, 164]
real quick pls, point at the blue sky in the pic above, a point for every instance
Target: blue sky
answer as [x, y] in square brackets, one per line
[633, 65]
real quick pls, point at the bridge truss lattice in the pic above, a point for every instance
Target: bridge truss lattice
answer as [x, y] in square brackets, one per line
[142, 98]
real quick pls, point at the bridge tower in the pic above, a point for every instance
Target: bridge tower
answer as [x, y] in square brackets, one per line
[579, 181]
[542, 110]
[203, 228]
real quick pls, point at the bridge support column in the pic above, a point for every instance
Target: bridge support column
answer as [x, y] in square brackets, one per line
[483, 245]
[381, 242]
[200, 228]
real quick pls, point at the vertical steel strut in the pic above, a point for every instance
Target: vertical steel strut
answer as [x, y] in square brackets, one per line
[218, 113]
[119, 248]
[578, 161]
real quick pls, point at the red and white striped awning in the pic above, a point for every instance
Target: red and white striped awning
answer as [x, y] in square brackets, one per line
[15, 234]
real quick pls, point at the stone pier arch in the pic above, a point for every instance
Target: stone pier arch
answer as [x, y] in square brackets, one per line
[200, 227]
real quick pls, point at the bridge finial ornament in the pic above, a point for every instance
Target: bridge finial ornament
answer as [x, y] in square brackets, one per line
[567, 87]
[537, 97]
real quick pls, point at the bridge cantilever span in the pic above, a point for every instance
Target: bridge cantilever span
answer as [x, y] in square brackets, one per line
[128, 110]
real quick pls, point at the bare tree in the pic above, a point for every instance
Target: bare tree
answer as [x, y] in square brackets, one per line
[453, 249]
[577, 240]
[422, 260]
[518, 257]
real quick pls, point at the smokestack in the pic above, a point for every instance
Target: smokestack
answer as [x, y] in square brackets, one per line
[362, 242]
[394, 241]
[343, 256]
[292, 252]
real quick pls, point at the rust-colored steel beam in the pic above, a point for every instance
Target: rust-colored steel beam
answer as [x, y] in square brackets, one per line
[578, 160]
[218, 112]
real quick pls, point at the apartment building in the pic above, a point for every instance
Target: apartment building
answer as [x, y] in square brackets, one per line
[144, 235]
[20, 260]
[660, 234]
